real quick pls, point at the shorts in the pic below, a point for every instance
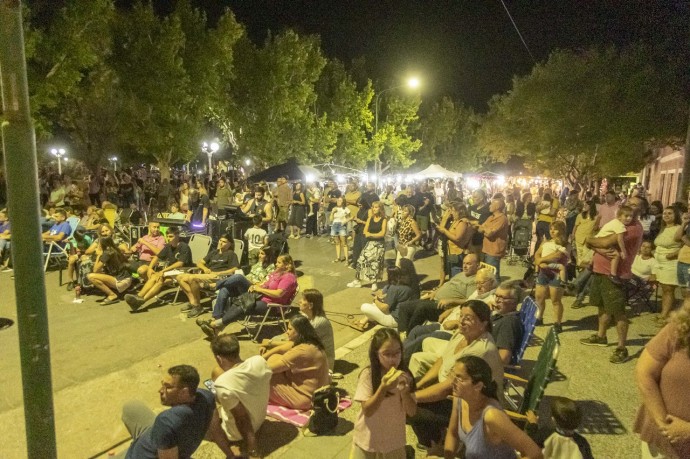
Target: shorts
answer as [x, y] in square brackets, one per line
[548, 279]
[422, 222]
[338, 229]
[683, 275]
[282, 214]
[123, 284]
[607, 296]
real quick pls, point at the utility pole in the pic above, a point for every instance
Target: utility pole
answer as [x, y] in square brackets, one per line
[19, 147]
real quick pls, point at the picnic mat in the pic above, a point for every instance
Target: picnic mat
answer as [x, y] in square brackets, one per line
[297, 417]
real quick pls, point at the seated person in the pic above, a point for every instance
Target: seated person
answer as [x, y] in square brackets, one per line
[80, 243]
[176, 432]
[644, 265]
[176, 254]
[145, 250]
[5, 236]
[241, 388]
[279, 287]
[432, 304]
[84, 265]
[110, 271]
[60, 231]
[173, 214]
[256, 238]
[299, 371]
[220, 262]
[449, 320]
[384, 308]
[434, 374]
[90, 221]
[310, 306]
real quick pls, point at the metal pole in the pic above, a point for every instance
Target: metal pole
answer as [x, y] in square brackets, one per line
[59, 165]
[210, 162]
[19, 147]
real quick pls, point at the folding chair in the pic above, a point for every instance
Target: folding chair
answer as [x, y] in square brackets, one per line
[239, 250]
[535, 385]
[491, 268]
[200, 245]
[641, 293]
[272, 307]
[55, 253]
[528, 317]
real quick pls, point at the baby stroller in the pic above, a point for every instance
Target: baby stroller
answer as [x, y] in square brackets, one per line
[521, 242]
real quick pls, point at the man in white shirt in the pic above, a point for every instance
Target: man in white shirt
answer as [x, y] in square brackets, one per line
[241, 388]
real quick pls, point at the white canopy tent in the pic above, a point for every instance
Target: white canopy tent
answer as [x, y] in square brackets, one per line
[436, 171]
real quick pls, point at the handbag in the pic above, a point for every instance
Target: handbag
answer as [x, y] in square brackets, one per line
[246, 301]
[324, 417]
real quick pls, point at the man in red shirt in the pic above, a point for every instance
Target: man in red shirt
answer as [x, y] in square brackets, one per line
[608, 296]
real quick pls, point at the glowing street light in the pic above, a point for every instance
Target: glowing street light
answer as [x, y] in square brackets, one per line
[412, 83]
[113, 159]
[59, 153]
[210, 149]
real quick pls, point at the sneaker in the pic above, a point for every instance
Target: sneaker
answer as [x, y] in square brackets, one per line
[577, 304]
[134, 302]
[595, 340]
[187, 307]
[196, 311]
[354, 284]
[620, 355]
[374, 287]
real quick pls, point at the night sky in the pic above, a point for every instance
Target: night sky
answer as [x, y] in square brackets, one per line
[467, 49]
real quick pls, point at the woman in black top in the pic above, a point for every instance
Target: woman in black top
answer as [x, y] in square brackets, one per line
[110, 271]
[371, 259]
[296, 219]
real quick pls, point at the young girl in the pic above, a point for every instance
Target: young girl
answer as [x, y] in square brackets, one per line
[556, 244]
[385, 391]
[340, 215]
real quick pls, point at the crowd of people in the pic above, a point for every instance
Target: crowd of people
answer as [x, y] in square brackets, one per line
[437, 362]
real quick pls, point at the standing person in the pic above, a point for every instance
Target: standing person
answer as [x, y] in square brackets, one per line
[95, 189]
[549, 284]
[609, 209]
[477, 419]
[296, 220]
[452, 194]
[585, 225]
[663, 420]
[313, 200]
[241, 388]
[666, 255]
[408, 235]
[283, 195]
[258, 205]
[199, 206]
[478, 213]
[459, 235]
[573, 206]
[339, 217]
[223, 194]
[683, 236]
[424, 205]
[546, 214]
[176, 432]
[360, 220]
[371, 260]
[388, 198]
[352, 195]
[495, 231]
[608, 296]
[384, 389]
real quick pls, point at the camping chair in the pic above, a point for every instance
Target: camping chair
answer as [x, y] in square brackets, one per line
[640, 293]
[272, 307]
[535, 385]
[528, 317]
[239, 250]
[56, 253]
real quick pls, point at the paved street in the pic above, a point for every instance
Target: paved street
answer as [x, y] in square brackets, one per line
[104, 356]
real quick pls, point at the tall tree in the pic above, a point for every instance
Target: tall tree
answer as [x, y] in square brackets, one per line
[271, 99]
[448, 134]
[393, 142]
[349, 119]
[585, 114]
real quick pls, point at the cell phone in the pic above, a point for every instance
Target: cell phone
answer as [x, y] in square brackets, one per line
[210, 386]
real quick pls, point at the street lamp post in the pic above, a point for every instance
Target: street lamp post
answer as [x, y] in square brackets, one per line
[210, 149]
[411, 83]
[59, 153]
[113, 159]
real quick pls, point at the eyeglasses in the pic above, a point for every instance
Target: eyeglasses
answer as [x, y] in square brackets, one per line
[390, 355]
[467, 318]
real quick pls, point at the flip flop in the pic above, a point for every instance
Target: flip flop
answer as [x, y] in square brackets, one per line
[108, 302]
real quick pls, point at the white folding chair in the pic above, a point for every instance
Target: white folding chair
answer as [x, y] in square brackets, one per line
[200, 245]
[239, 250]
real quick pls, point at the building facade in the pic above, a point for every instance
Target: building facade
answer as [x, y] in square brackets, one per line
[663, 174]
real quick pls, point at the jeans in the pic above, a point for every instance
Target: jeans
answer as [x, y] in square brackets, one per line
[229, 287]
[311, 220]
[582, 282]
[496, 263]
[415, 312]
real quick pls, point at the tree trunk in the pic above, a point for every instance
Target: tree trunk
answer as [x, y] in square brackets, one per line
[164, 168]
[682, 193]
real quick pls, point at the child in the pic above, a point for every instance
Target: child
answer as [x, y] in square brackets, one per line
[564, 442]
[555, 244]
[257, 238]
[384, 389]
[617, 226]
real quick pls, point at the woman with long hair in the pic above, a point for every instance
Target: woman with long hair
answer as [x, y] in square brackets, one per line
[340, 216]
[477, 419]
[110, 271]
[409, 234]
[370, 263]
[666, 255]
[299, 371]
[459, 235]
[279, 287]
[663, 420]
[549, 284]
[297, 211]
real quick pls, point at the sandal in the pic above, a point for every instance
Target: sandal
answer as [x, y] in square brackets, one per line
[359, 326]
[107, 302]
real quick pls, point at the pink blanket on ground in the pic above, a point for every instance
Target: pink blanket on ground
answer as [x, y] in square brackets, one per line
[296, 417]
